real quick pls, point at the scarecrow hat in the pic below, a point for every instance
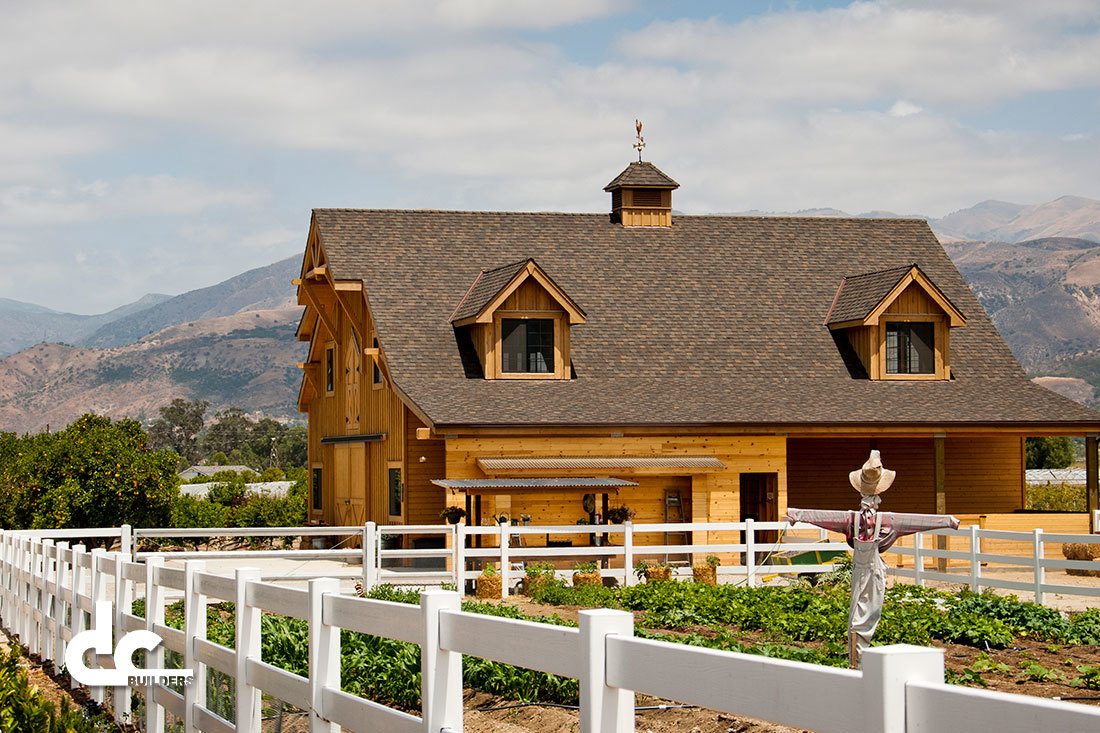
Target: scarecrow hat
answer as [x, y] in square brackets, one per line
[872, 479]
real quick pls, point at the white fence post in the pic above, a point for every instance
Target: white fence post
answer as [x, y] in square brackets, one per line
[886, 671]
[371, 563]
[99, 593]
[194, 627]
[59, 601]
[76, 613]
[123, 601]
[504, 561]
[628, 553]
[604, 709]
[126, 541]
[154, 614]
[1040, 571]
[975, 566]
[460, 558]
[750, 553]
[440, 669]
[248, 646]
[918, 559]
[324, 654]
[45, 602]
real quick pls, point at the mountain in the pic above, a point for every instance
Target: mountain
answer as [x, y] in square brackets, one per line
[1069, 216]
[246, 359]
[1044, 297]
[23, 324]
[263, 288]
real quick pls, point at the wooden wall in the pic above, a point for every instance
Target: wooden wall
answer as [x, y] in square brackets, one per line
[981, 474]
[531, 296]
[424, 500]
[707, 497]
[354, 477]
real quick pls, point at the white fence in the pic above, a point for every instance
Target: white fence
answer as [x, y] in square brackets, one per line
[48, 589]
[460, 559]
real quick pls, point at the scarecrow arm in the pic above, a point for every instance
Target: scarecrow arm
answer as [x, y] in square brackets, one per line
[906, 524]
[834, 521]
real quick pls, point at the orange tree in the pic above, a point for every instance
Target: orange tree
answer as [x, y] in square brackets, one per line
[94, 473]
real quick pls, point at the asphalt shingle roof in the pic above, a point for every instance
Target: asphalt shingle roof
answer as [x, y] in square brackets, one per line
[714, 320]
[484, 288]
[645, 175]
[859, 294]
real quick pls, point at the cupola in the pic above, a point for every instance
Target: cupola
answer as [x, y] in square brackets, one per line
[641, 196]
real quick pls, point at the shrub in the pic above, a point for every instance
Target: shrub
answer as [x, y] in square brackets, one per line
[24, 708]
[191, 511]
[1055, 498]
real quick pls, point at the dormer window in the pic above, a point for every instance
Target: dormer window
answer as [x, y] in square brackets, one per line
[898, 323]
[527, 345]
[518, 319]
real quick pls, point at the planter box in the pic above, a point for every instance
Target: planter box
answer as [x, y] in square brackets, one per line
[652, 574]
[705, 573]
[593, 578]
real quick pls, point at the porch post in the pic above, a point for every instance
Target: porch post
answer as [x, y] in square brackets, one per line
[1092, 494]
[939, 473]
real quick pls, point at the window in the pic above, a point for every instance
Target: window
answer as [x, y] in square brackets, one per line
[315, 488]
[910, 348]
[377, 371]
[396, 492]
[330, 370]
[527, 345]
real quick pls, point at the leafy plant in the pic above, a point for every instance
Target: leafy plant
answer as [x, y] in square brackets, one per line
[539, 570]
[620, 514]
[713, 560]
[585, 567]
[452, 514]
[23, 707]
[489, 571]
[1090, 676]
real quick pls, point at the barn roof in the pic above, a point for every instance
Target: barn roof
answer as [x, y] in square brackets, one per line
[714, 320]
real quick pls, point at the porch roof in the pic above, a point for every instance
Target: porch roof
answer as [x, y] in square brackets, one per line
[634, 464]
[482, 484]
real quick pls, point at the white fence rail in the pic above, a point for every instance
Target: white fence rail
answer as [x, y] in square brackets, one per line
[616, 548]
[47, 590]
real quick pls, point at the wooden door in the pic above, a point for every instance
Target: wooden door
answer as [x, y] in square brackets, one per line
[350, 484]
[760, 502]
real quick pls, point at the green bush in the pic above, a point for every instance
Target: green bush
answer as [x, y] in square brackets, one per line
[191, 511]
[1055, 498]
[25, 709]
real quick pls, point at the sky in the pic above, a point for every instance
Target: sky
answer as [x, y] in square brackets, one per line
[160, 146]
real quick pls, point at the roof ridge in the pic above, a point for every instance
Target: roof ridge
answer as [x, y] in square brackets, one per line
[603, 215]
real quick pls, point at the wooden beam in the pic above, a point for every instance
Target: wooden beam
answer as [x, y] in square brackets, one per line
[350, 286]
[939, 473]
[1092, 486]
[423, 433]
[315, 302]
[296, 281]
[317, 272]
[372, 352]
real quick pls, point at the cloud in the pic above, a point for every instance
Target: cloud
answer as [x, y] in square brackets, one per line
[902, 108]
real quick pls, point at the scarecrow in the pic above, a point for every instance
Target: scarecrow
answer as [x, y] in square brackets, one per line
[869, 533]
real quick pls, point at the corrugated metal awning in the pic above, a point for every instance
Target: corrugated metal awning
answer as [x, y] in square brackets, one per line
[483, 484]
[642, 464]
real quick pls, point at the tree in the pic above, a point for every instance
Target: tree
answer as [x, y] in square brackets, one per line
[1049, 452]
[94, 473]
[178, 428]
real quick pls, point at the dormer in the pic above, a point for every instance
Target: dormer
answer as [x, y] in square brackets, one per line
[898, 322]
[518, 320]
[641, 196]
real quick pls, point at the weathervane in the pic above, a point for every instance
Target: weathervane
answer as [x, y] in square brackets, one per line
[639, 144]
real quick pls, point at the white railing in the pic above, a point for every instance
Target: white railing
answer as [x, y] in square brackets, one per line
[47, 590]
[970, 566]
[750, 561]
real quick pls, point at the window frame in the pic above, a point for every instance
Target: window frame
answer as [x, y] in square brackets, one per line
[940, 337]
[377, 379]
[557, 317]
[316, 488]
[398, 466]
[329, 368]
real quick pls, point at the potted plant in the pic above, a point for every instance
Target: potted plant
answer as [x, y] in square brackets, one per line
[538, 576]
[452, 514]
[707, 571]
[653, 570]
[619, 514]
[586, 573]
[489, 583]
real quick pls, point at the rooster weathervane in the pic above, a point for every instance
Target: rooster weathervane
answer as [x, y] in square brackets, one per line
[639, 144]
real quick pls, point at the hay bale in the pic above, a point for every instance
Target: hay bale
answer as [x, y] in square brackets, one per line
[1082, 551]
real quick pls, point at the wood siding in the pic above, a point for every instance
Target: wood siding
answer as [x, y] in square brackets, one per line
[983, 475]
[426, 461]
